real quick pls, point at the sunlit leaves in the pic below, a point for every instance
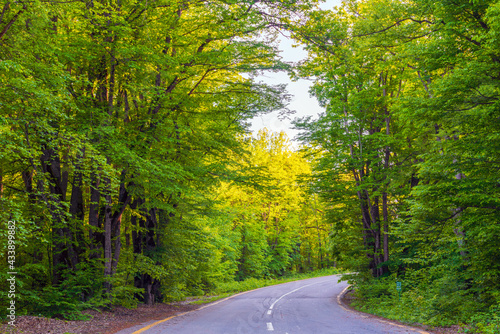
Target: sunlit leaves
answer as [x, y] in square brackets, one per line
[439, 64]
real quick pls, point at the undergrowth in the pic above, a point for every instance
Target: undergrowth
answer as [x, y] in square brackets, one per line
[436, 303]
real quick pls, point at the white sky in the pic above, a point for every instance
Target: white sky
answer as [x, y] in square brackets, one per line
[301, 101]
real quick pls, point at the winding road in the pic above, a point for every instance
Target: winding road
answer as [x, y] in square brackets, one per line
[303, 307]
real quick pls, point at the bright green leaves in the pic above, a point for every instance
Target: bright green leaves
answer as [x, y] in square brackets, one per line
[411, 93]
[279, 222]
[118, 119]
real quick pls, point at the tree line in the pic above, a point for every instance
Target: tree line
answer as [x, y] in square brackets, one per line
[409, 152]
[121, 123]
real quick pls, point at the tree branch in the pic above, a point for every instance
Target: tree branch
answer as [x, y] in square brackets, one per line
[7, 27]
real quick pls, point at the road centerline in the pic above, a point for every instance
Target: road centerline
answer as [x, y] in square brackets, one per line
[313, 309]
[290, 292]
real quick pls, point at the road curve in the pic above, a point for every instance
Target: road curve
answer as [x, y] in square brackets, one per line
[303, 307]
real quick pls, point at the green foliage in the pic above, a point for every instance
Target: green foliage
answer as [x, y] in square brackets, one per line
[408, 152]
[124, 165]
[486, 322]
[279, 222]
[119, 122]
[75, 294]
[424, 299]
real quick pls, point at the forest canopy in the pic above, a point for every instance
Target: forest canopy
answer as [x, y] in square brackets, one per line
[409, 152]
[125, 160]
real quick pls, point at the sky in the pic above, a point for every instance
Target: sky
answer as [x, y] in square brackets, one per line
[301, 102]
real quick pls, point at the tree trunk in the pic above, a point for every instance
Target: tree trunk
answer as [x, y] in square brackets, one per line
[124, 200]
[77, 213]
[62, 247]
[376, 232]
[107, 237]
[385, 213]
[136, 228]
[95, 196]
[147, 242]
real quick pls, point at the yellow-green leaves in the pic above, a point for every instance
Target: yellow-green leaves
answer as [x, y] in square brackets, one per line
[411, 90]
[280, 215]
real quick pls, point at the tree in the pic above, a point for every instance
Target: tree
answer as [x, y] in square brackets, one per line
[411, 106]
[279, 221]
[115, 117]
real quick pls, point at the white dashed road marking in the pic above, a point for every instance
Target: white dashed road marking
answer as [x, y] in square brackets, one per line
[269, 324]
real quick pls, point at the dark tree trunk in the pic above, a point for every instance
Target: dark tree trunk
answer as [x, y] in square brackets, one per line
[77, 213]
[107, 237]
[62, 247]
[28, 185]
[136, 228]
[152, 293]
[376, 228]
[385, 213]
[94, 218]
[414, 181]
[368, 235]
[124, 200]
[151, 223]
[147, 242]
[64, 176]
[370, 210]
[76, 205]
[387, 157]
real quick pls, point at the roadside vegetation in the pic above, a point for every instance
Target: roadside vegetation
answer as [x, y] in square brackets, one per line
[425, 304]
[407, 153]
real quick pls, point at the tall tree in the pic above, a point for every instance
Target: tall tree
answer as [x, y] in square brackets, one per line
[410, 127]
[115, 116]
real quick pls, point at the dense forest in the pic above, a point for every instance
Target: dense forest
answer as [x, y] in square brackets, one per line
[130, 175]
[409, 152]
[125, 159]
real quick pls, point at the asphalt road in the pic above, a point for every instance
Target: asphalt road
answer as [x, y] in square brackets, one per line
[303, 307]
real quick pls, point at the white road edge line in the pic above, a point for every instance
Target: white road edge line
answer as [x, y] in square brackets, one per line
[286, 294]
[270, 326]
